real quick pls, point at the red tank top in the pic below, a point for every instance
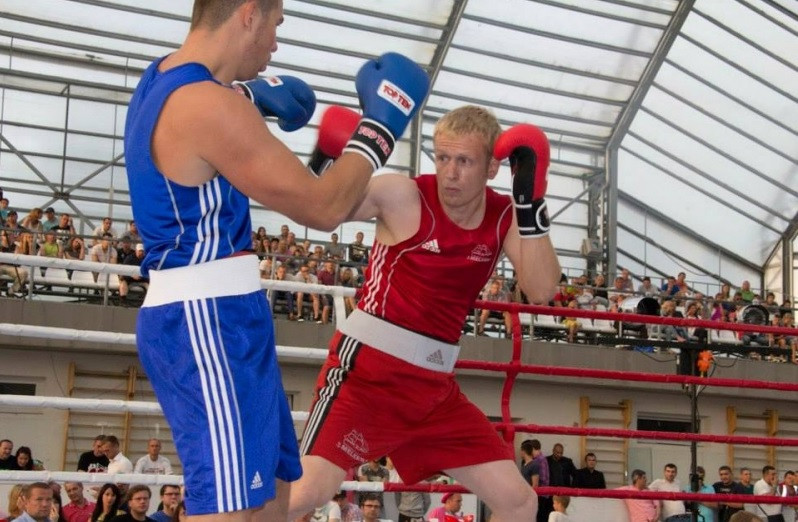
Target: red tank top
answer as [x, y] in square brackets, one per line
[429, 282]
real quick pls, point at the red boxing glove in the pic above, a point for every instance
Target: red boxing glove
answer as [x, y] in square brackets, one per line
[336, 127]
[528, 150]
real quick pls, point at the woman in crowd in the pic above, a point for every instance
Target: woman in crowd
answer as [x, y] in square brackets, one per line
[24, 459]
[14, 502]
[75, 249]
[108, 501]
[180, 513]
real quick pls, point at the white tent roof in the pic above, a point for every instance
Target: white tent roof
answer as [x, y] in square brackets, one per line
[674, 125]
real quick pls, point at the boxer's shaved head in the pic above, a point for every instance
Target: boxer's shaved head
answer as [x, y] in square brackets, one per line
[470, 119]
[213, 13]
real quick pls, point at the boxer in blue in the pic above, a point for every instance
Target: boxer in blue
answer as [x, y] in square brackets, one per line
[196, 152]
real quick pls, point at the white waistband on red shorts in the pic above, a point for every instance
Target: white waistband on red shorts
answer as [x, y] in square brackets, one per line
[415, 348]
[237, 275]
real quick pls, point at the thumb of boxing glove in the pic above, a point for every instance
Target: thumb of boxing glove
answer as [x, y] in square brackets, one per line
[288, 98]
[527, 148]
[335, 128]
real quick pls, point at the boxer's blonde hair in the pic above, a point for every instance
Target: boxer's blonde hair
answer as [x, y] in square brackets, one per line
[470, 119]
[213, 13]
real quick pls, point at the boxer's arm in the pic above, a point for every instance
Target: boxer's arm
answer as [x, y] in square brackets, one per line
[535, 262]
[393, 200]
[205, 128]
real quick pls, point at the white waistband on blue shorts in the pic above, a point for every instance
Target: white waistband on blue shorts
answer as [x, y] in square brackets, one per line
[237, 275]
[412, 347]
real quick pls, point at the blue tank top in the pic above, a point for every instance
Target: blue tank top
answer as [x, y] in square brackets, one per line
[179, 225]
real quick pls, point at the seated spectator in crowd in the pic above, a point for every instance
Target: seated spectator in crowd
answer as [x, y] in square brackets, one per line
[170, 501]
[572, 324]
[589, 477]
[786, 307]
[105, 228]
[699, 334]
[57, 508]
[126, 282]
[306, 275]
[681, 283]
[126, 248]
[132, 233]
[7, 460]
[627, 285]
[153, 463]
[180, 513]
[746, 292]
[495, 294]
[358, 252]
[669, 332]
[341, 510]
[50, 247]
[18, 274]
[280, 274]
[138, 503]
[290, 239]
[669, 287]
[726, 297]
[646, 289]
[64, 229]
[640, 510]
[79, 509]
[372, 471]
[334, 249]
[108, 501]
[4, 202]
[75, 249]
[371, 506]
[117, 462]
[33, 222]
[770, 303]
[26, 245]
[103, 252]
[266, 267]
[37, 502]
[49, 222]
[23, 459]
[600, 294]
[94, 460]
[347, 280]
[452, 503]
[326, 276]
[565, 292]
[284, 230]
[617, 294]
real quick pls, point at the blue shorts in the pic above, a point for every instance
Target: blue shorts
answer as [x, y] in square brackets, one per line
[213, 365]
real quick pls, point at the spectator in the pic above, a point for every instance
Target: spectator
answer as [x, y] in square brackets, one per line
[770, 303]
[669, 483]
[26, 245]
[669, 332]
[50, 247]
[617, 294]
[125, 249]
[4, 208]
[37, 501]
[101, 231]
[786, 307]
[290, 239]
[706, 510]
[372, 471]
[138, 502]
[726, 484]
[7, 461]
[646, 289]
[334, 249]
[134, 281]
[57, 507]
[117, 462]
[326, 276]
[787, 489]
[746, 483]
[452, 503]
[572, 324]
[306, 276]
[94, 460]
[766, 486]
[358, 252]
[75, 249]
[699, 334]
[266, 267]
[180, 513]
[669, 287]
[589, 477]
[560, 506]
[561, 468]
[19, 277]
[153, 463]
[23, 459]
[681, 283]
[11, 232]
[745, 516]
[15, 502]
[108, 501]
[170, 502]
[341, 510]
[535, 470]
[132, 233]
[103, 252]
[627, 285]
[33, 222]
[746, 293]
[495, 294]
[284, 295]
[284, 232]
[49, 221]
[640, 510]
[600, 295]
[79, 509]
[371, 506]
[64, 229]
[347, 280]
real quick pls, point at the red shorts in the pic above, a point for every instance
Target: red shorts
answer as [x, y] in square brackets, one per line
[368, 404]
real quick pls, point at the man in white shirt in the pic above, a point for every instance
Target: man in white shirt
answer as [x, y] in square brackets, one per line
[117, 463]
[153, 462]
[669, 482]
[766, 486]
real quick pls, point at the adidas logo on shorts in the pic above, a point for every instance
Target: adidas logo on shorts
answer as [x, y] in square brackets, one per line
[257, 483]
[435, 357]
[432, 246]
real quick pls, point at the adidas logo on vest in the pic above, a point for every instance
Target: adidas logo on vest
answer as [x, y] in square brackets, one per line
[257, 483]
[432, 246]
[435, 357]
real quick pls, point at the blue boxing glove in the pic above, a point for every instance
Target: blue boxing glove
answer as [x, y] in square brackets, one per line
[288, 98]
[391, 89]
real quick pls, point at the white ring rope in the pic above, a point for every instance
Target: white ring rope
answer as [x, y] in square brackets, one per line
[96, 336]
[126, 270]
